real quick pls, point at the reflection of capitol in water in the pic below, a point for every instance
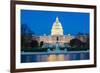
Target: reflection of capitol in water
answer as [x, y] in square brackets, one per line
[54, 57]
[46, 57]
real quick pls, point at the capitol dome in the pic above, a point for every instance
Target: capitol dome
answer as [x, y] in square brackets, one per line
[57, 28]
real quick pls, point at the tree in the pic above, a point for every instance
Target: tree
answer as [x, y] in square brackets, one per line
[26, 36]
[34, 44]
[41, 43]
[75, 43]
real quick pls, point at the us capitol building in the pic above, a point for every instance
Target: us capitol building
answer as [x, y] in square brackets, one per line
[56, 36]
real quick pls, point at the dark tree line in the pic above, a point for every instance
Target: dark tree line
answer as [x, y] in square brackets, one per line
[77, 44]
[26, 36]
[34, 44]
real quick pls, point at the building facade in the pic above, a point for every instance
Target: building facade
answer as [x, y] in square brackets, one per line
[56, 35]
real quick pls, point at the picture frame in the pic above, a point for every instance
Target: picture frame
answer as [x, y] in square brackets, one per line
[18, 8]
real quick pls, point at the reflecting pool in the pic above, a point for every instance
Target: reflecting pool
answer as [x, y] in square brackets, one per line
[46, 56]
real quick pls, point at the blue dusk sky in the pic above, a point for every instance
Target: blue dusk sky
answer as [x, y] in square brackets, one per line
[40, 22]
